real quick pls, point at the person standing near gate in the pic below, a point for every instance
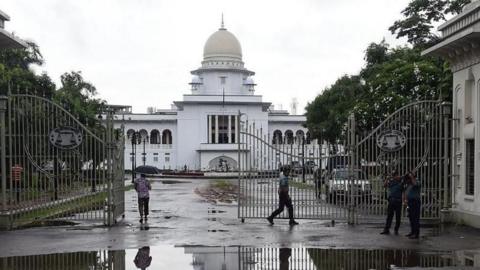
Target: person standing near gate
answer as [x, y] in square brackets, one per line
[17, 177]
[395, 193]
[142, 186]
[284, 198]
[414, 204]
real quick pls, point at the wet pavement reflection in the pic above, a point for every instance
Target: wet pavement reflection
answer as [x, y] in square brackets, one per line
[243, 258]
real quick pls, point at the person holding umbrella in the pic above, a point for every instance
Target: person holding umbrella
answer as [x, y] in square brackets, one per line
[143, 259]
[142, 186]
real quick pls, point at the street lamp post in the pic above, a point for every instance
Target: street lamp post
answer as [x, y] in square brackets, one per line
[144, 154]
[133, 154]
[303, 158]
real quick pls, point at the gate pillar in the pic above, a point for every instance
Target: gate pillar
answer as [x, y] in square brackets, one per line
[111, 146]
[3, 154]
[351, 145]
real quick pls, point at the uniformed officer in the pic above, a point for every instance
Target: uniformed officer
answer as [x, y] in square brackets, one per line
[395, 192]
[414, 204]
[284, 197]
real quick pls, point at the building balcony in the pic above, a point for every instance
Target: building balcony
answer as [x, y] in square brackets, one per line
[205, 147]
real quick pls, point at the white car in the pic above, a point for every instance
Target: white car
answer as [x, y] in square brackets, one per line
[341, 186]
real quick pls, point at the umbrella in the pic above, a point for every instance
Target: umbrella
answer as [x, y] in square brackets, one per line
[147, 169]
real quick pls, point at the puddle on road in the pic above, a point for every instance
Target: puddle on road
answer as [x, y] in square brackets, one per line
[214, 211]
[171, 182]
[217, 230]
[243, 258]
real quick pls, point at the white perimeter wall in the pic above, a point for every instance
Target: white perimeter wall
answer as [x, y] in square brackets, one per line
[466, 203]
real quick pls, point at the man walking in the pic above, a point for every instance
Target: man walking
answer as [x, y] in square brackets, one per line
[142, 186]
[395, 190]
[414, 205]
[284, 198]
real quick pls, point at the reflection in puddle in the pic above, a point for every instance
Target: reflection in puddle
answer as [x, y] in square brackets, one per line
[242, 258]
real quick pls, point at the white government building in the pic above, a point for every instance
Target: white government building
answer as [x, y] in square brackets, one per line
[199, 132]
[460, 45]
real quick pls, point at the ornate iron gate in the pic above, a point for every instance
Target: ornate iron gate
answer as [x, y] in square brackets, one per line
[252, 258]
[414, 138]
[52, 166]
[348, 185]
[98, 260]
[260, 163]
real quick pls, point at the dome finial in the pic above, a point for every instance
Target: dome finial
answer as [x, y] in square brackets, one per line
[222, 25]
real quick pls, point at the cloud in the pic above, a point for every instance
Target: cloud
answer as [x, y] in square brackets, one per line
[141, 53]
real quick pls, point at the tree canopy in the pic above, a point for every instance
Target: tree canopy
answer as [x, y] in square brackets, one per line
[391, 77]
[78, 96]
[16, 73]
[420, 16]
[75, 94]
[328, 113]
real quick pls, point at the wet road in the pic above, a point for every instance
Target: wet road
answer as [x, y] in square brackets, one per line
[180, 217]
[243, 258]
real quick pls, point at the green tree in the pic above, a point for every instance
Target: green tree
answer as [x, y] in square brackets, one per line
[420, 16]
[79, 97]
[391, 77]
[16, 73]
[328, 113]
[397, 78]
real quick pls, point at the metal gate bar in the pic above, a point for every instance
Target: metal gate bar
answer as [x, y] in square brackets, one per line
[414, 138]
[269, 258]
[260, 163]
[55, 167]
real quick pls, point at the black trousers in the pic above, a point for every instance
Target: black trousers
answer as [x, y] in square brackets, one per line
[285, 200]
[394, 208]
[414, 216]
[143, 206]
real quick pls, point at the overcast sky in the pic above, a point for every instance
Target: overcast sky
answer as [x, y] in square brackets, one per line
[141, 52]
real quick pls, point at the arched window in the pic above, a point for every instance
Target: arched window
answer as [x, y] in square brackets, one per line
[289, 137]
[166, 137]
[143, 136]
[299, 136]
[155, 137]
[130, 134]
[277, 137]
[308, 139]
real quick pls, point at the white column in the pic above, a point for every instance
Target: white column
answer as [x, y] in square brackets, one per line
[229, 130]
[235, 124]
[476, 146]
[209, 121]
[216, 128]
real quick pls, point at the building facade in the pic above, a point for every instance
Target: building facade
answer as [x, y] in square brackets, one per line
[460, 45]
[200, 131]
[7, 39]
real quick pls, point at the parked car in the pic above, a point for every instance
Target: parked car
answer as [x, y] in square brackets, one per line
[310, 166]
[336, 162]
[341, 185]
[296, 167]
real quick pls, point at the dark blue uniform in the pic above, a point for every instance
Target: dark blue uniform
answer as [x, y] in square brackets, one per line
[284, 200]
[414, 206]
[395, 190]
